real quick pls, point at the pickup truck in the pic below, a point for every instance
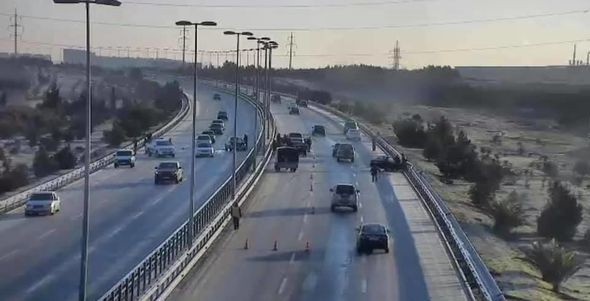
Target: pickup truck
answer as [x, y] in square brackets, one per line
[161, 147]
[124, 157]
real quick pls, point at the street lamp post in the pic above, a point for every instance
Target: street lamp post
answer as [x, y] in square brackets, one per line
[194, 116]
[85, 223]
[237, 34]
[257, 94]
[272, 45]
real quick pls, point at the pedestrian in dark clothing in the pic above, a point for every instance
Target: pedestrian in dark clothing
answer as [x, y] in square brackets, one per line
[134, 146]
[236, 214]
[374, 173]
[373, 143]
[246, 140]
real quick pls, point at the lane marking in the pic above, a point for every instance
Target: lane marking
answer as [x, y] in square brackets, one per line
[46, 234]
[364, 286]
[292, 260]
[16, 250]
[300, 236]
[362, 219]
[283, 284]
[305, 219]
[360, 205]
[138, 214]
[40, 283]
[115, 232]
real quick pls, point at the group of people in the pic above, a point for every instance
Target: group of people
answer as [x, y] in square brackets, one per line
[376, 170]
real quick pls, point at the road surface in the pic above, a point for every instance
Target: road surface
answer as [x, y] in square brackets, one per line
[129, 216]
[316, 257]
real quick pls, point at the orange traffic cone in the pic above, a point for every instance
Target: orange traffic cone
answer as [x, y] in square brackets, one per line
[246, 245]
[275, 247]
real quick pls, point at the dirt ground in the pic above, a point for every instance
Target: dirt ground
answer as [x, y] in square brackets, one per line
[538, 137]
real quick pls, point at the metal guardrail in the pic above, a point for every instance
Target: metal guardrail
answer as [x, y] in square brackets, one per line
[20, 198]
[472, 269]
[154, 274]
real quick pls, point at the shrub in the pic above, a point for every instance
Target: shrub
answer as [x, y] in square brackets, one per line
[433, 149]
[508, 213]
[43, 165]
[586, 240]
[410, 132]
[550, 169]
[555, 263]
[65, 158]
[562, 214]
[482, 193]
[49, 143]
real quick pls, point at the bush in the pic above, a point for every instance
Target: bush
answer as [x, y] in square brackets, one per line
[555, 263]
[433, 149]
[508, 213]
[49, 143]
[586, 240]
[65, 158]
[131, 127]
[116, 136]
[550, 169]
[562, 214]
[410, 132]
[43, 165]
[482, 193]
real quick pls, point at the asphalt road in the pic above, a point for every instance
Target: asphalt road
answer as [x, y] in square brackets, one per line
[316, 257]
[129, 216]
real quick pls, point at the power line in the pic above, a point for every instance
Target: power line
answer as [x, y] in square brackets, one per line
[258, 6]
[308, 29]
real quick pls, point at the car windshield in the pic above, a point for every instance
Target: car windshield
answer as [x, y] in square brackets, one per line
[41, 196]
[167, 165]
[345, 189]
[124, 153]
[204, 137]
[215, 125]
[295, 135]
[163, 142]
[345, 147]
[373, 229]
[350, 124]
[204, 145]
[218, 121]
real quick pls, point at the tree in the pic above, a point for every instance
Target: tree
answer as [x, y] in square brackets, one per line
[433, 149]
[562, 214]
[43, 165]
[582, 168]
[65, 158]
[49, 143]
[115, 136]
[508, 213]
[482, 193]
[410, 132]
[555, 263]
[32, 134]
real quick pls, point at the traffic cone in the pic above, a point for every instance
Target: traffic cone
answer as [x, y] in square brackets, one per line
[246, 245]
[307, 246]
[275, 247]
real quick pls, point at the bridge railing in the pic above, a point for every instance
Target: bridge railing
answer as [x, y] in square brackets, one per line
[481, 285]
[20, 198]
[156, 273]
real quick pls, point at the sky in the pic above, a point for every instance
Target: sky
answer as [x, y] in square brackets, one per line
[326, 32]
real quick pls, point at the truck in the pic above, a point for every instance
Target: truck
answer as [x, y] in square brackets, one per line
[161, 147]
[287, 158]
[124, 157]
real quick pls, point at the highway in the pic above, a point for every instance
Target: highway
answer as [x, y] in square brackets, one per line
[316, 257]
[129, 216]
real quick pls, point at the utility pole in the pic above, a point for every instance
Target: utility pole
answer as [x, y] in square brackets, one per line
[16, 26]
[183, 38]
[395, 55]
[291, 44]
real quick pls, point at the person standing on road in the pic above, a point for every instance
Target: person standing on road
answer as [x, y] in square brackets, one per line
[246, 140]
[236, 213]
[374, 173]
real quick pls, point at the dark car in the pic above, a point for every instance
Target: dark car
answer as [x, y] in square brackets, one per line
[168, 171]
[303, 103]
[222, 115]
[240, 144]
[288, 158]
[386, 163]
[345, 152]
[335, 149]
[293, 111]
[276, 98]
[318, 130]
[216, 128]
[211, 134]
[371, 237]
[216, 96]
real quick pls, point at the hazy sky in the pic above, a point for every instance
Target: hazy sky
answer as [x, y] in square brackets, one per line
[413, 23]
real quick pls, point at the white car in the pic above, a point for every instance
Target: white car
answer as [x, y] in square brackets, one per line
[353, 134]
[161, 147]
[219, 121]
[43, 202]
[204, 139]
[204, 149]
[124, 157]
[344, 195]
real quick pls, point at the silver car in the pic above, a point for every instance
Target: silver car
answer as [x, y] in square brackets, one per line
[43, 202]
[344, 195]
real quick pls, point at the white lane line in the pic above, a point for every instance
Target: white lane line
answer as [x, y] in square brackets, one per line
[115, 232]
[300, 236]
[292, 260]
[362, 219]
[305, 219]
[282, 287]
[40, 283]
[46, 234]
[360, 205]
[364, 286]
[16, 250]
[138, 214]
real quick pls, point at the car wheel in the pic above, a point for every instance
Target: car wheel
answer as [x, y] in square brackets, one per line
[369, 250]
[333, 208]
[173, 155]
[337, 159]
[277, 169]
[352, 160]
[354, 208]
[386, 249]
[116, 165]
[359, 250]
[156, 181]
